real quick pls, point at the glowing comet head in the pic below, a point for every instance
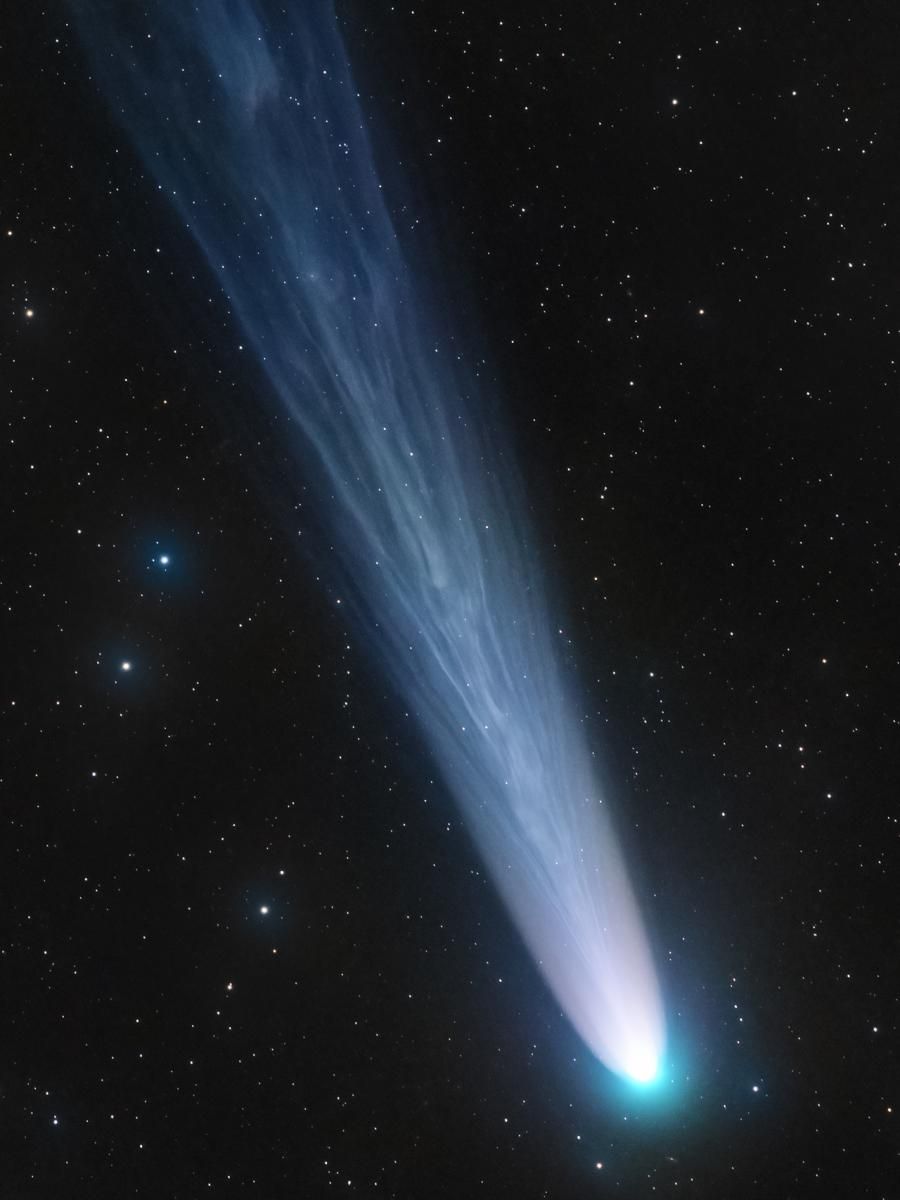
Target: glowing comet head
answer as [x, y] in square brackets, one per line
[642, 1066]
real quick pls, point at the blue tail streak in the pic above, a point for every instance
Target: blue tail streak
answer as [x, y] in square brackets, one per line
[257, 137]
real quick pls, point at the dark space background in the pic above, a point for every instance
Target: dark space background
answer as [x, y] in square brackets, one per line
[692, 312]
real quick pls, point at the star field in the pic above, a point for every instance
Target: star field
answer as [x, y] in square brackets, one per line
[249, 947]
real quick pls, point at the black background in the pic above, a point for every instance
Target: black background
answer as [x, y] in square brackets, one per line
[691, 312]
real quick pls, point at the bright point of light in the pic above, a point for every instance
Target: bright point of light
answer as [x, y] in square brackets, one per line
[164, 560]
[642, 1066]
[126, 666]
[29, 312]
[264, 908]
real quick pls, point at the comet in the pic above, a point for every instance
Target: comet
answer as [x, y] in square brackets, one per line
[250, 122]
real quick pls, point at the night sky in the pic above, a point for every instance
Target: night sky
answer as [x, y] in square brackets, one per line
[248, 947]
